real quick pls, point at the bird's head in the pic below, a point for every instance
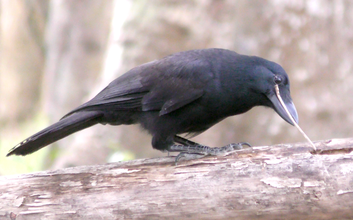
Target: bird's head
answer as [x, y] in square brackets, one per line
[268, 75]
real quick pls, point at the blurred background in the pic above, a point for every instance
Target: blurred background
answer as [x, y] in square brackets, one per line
[57, 54]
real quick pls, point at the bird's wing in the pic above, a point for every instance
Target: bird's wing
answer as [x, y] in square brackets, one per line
[170, 95]
[176, 81]
[124, 93]
[155, 86]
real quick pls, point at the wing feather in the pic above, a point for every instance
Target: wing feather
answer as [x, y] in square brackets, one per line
[164, 85]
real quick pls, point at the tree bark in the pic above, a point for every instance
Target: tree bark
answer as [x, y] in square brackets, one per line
[286, 181]
[22, 26]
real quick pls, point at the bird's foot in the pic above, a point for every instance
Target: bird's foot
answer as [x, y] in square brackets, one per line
[199, 151]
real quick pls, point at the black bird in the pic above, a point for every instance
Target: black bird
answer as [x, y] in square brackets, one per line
[186, 92]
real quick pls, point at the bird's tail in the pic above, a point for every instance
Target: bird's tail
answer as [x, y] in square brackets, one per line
[59, 130]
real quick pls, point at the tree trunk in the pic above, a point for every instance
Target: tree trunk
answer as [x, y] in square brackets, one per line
[269, 182]
[77, 34]
[22, 25]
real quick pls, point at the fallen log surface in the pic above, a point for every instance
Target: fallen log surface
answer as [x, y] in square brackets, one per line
[286, 181]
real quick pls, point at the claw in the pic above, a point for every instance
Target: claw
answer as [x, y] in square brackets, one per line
[244, 143]
[199, 151]
[191, 156]
[177, 158]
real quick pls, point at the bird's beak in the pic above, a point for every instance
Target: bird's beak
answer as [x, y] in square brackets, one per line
[280, 109]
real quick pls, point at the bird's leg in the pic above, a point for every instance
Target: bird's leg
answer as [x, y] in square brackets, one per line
[184, 141]
[198, 151]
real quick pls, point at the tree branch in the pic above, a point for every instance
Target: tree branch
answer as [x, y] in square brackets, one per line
[268, 182]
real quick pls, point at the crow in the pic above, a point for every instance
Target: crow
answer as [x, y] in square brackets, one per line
[183, 93]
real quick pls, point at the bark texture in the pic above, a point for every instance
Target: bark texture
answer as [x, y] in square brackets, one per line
[285, 181]
[22, 26]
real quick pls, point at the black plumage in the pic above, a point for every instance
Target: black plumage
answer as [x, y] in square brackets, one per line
[187, 92]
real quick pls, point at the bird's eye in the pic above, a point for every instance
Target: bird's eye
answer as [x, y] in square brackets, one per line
[277, 79]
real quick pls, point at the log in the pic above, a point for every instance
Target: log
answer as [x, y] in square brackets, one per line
[285, 181]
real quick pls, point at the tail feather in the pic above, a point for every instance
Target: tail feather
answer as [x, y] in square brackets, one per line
[57, 131]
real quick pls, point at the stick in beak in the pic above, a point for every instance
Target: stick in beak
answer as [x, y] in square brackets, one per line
[291, 118]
